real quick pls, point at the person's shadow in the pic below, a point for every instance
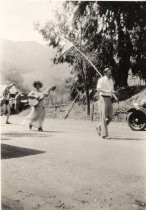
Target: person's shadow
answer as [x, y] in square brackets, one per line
[25, 134]
[127, 138]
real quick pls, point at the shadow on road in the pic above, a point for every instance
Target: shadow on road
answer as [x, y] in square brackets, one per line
[55, 132]
[127, 138]
[9, 151]
[29, 134]
[3, 138]
[9, 204]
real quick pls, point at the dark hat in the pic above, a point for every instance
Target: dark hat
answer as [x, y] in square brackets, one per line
[37, 82]
[106, 70]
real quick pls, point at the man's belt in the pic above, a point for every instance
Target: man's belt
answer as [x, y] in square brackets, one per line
[106, 96]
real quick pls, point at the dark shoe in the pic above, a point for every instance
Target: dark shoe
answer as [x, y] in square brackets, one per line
[99, 130]
[106, 137]
[30, 126]
[40, 129]
[8, 123]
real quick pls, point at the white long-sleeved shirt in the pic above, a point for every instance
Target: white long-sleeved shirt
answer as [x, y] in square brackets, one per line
[105, 84]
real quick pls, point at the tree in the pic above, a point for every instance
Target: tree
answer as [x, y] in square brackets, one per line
[123, 24]
[109, 33]
[11, 74]
[55, 34]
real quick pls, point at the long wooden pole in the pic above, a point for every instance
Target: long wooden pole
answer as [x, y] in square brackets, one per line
[95, 70]
[91, 65]
[71, 106]
[88, 60]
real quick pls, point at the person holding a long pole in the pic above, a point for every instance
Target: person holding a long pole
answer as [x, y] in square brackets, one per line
[105, 87]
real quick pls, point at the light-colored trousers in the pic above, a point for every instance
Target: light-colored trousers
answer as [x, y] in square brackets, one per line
[106, 112]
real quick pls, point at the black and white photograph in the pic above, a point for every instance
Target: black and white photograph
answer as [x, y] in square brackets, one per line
[73, 105]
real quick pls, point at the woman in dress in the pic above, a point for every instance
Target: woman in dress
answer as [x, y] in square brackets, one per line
[37, 114]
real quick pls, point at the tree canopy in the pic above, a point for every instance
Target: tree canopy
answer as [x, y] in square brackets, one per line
[110, 34]
[121, 27]
[10, 74]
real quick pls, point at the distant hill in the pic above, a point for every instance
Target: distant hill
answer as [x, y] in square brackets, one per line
[34, 61]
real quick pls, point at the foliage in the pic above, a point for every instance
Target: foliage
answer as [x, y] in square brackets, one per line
[11, 74]
[110, 34]
[122, 24]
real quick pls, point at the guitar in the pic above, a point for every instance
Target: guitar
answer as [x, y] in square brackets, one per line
[33, 101]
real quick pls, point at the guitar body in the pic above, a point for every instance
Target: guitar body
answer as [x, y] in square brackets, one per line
[33, 101]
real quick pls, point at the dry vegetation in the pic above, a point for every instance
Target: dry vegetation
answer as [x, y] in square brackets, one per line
[79, 111]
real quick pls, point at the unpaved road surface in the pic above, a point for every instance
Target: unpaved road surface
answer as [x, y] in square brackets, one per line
[70, 167]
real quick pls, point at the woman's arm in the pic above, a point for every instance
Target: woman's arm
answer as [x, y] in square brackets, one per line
[32, 94]
[47, 92]
[10, 85]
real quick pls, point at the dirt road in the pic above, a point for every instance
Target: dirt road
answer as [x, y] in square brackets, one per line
[69, 167]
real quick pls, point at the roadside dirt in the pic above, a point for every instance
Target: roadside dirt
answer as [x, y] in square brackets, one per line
[70, 167]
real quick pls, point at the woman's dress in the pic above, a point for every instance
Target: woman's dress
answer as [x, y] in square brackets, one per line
[37, 115]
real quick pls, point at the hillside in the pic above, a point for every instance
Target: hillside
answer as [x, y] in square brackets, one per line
[34, 60]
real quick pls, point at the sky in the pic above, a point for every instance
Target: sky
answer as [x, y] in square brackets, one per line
[17, 18]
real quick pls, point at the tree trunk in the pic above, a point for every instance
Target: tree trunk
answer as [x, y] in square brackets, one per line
[124, 65]
[92, 113]
[88, 100]
[86, 87]
[124, 52]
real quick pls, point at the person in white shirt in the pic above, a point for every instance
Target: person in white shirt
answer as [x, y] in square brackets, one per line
[105, 87]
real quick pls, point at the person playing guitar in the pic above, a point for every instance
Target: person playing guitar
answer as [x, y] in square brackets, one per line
[36, 100]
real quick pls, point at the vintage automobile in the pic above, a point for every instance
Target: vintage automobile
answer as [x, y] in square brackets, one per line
[137, 116]
[18, 101]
